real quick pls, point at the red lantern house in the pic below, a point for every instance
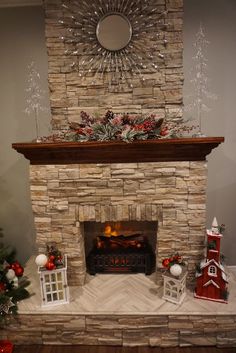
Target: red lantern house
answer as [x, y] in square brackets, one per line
[211, 277]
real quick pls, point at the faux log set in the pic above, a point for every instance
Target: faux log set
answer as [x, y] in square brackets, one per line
[119, 254]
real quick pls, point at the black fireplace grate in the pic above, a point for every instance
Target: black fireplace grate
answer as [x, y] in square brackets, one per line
[125, 261]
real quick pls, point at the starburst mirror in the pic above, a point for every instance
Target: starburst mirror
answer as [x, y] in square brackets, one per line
[114, 41]
[114, 31]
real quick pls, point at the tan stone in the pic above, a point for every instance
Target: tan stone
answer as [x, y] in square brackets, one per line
[121, 192]
[64, 83]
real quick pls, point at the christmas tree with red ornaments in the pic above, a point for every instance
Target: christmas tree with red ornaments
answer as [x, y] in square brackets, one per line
[12, 282]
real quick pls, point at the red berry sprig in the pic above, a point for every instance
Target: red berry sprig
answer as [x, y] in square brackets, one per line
[55, 258]
[174, 259]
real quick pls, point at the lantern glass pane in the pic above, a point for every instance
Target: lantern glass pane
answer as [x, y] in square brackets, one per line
[54, 287]
[61, 295]
[49, 297]
[53, 277]
[59, 286]
[48, 288]
[59, 276]
[47, 278]
[54, 295]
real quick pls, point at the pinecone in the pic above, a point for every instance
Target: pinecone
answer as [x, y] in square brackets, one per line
[108, 116]
[86, 119]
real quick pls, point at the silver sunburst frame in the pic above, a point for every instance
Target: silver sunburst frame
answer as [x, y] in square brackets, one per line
[143, 52]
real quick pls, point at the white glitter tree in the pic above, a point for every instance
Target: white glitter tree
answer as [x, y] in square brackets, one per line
[200, 82]
[35, 96]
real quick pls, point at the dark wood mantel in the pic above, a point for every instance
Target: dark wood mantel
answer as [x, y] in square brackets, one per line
[182, 149]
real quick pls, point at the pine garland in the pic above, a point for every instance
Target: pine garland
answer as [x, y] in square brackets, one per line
[120, 127]
[116, 127]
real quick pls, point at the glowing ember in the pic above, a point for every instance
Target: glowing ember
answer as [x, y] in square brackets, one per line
[110, 231]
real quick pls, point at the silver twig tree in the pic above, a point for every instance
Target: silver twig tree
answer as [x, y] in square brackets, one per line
[199, 80]
[35, 96]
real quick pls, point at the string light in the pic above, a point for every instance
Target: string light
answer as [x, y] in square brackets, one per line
[35, 96]
[198, 101]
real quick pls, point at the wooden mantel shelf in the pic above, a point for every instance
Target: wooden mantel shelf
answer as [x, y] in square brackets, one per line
[182, 149]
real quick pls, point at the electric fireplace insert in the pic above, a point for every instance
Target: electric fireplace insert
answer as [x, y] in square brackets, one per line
[121, 253]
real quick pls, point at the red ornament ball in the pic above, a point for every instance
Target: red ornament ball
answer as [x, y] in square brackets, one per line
[15, 265]
[166, 262]
[6, 346]
[19, 271]
[50, 265]
[2, 287]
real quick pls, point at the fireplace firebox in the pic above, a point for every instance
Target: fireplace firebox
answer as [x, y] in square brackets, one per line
[120, 247]
[120, 255]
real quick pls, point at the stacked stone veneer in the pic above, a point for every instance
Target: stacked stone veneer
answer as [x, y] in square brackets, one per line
[126, 330]
[160, 93]
[171, 193]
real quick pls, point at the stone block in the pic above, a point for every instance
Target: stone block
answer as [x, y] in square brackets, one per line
[197, 340]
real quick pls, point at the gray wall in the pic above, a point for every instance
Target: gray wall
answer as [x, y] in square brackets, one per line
[219, 20]
[22, 40]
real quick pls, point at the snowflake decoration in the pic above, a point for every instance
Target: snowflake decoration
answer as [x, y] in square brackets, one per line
[142, 54]
[5, 307]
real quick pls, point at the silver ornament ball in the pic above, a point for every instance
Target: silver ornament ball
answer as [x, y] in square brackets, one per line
[10, 274]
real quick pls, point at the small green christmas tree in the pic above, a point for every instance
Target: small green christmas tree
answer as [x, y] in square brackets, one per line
[12, 282]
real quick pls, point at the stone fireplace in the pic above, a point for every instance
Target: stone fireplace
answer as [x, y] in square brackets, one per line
[161, 187]
[168, 193]
[156, 188]
[166, 190]
[160, 184]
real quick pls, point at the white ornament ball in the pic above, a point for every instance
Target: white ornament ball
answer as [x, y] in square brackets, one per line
[176, 270]
[10, 274]
[41, 260]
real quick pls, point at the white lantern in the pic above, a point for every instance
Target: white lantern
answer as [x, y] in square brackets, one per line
[41, 260]
[174, 289]
[53, 283]
[176, 270]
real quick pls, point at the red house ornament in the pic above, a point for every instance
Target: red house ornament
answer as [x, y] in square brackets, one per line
[211, 278]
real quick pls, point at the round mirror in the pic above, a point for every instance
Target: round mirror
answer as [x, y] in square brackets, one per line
[114, 31]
